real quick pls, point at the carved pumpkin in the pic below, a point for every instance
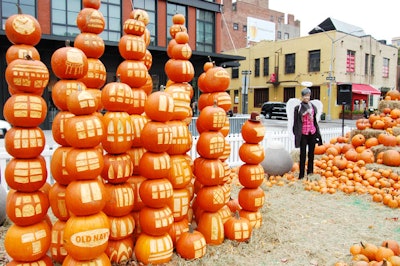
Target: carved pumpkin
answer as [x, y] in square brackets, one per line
[191, 245]
[57, 201]
[177, 229]
[159, 106]
[81, 102]
[135, 181]
[211, 226]
[57, 250]
[210, 198]
[181, 142]
[255, 218]
[86, 237]
[181, 204]
[155, 221]
[119, 199]
[140, 15]
[209, 172]
[23, 29]
[132, 47]
[251, 153]
[28, 243]
[27, 75]
[117, 137]
[155, 165]
[96, 74]
[157, 137]
[91, 3]
[85, 197]
[180, 173]
[217, 79]
[102, 260]
[121, 227]
[133, 26]
[61, 91]
[69, 63]
[253, 132]
[210, 144]
[84, 131]
[24, 142]
[153, 249]
[156, 193]
[179, 70]
[237, 228]
[20, 51]
[138, 122]
[132, 72]
[118, 168]
[25, 110]
[139, 101]
[117, 96]
[251, 199]
[251, 175]
[58, 165]
[90, 20]
[84, 163]
[211, 118]
[90, 43]
[121, 250]
[136, 153]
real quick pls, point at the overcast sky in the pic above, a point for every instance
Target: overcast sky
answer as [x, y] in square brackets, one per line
[380, 19]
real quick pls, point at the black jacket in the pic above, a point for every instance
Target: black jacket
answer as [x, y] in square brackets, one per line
[298, 125]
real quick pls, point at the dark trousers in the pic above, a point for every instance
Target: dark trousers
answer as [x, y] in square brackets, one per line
[307, 140]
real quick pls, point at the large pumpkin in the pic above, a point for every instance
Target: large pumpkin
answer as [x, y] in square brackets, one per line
[117, 96]
[19, 51]
[118, 168]
[84, 131]
[211, 226]
[84, 163]
[119, 199]
[132, 72]
[90, 43]
[25, 110]
[210, 144]
[25, 142]
[155, 165]
[90, 20]
[132, 47]
[179, 70]
[69, 63]
[121, 227]
[27, 75]
[159, 106]
[156, 193]
[62, 89]
[28, 243]
[26, 175]
[157, 136]
[86, 237]
[251, 199]
[154, 249]
[23, 29]
[155, 222]
[96, 74]
[117, 137]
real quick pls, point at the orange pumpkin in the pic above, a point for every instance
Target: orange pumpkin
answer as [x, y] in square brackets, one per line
[96, 74]
[153, 249]
[159, 106]
[69, 63]
[90, 20]
[90, 43]
[391, 158]
[19, 51]
[25, 142]
[133, 73]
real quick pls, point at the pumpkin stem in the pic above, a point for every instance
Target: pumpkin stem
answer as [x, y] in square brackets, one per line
[162, 87]
[191, 228]
[68, 43]
[19, 9]
[215, 103]
[237, 216]
[118, 78]
[27, 56]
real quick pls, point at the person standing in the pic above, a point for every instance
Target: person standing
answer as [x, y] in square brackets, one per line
[306, 131]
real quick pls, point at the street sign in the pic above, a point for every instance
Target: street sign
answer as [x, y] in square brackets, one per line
[330, 78]
[246, 72]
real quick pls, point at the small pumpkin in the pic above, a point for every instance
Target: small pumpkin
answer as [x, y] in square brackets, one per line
[237, 228]
[191, 244]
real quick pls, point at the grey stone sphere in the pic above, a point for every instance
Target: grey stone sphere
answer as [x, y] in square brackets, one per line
[277, 160]
[3, 195]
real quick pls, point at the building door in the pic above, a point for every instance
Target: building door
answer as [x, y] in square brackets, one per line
[288, 93]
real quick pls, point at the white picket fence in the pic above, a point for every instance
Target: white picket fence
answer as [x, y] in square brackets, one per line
[235, 140]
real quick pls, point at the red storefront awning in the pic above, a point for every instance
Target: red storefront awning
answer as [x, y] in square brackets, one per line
[364, 89]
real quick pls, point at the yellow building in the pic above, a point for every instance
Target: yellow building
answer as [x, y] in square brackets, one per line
[330, 60]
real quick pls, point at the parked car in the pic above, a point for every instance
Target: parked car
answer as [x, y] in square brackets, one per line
[4, 127]
[274, 110]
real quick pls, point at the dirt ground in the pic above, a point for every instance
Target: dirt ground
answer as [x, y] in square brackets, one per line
[299, 228]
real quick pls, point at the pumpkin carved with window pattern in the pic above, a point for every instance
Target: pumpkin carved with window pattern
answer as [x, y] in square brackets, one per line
[27, 75]
[138, 122]
[210, 198]
[135, 181]
[69, 63]
[57, 201]
[134, 26]
[81, 102]
[139, 101]
[62, 89]
[177, 229]
[116, 96]
[181, 142]
[180, 205]
[86, 237]
[210, 144]
[209, 172]
[159, 106]
[121, 227]
[155, 165]
[90, 43]
[118, 168]
[180, 174]
[84, 131]
[26, 208]
[157, 136]
[90, 20]
[181, 98]
[255, 218]
[179, 70]
[253, 132]
[156, 193]
[251, 175]
[85, 197]
[211, 226]
[117, 137]
[120, 199]
[251, 153]
[251, 199]
[132, 72]
[58, 127]
[26, 175]
[132, 47]
[84, 163]
[24, 142]
[28, 243]
[58, 165]
[120, 250]
[154, 249]
[237, 228]
[211, 118]
[19, 51]
[136, 153]
[96, 74]
[191, 245]
[155, 221]
[57, 250]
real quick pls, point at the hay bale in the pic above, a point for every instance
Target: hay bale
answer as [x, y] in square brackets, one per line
[3, 195]
[396, 130]
[277, 160]
[368, 132]
[380, 148]
[377, 166]
[388, 103]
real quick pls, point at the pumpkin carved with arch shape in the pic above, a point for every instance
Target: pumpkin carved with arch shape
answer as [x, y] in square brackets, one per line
[159, 106]
[96, 74]
[121, 227]
[155, 165]
[121, 250]
[118, 168]
[211, 226]
[117, 96]
[238, 228]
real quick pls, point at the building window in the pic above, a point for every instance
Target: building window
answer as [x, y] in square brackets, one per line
[235, 72]
[63, 17]
[235, 97]
[372, 65]
[385, 69]
[350, 61]
[173, 9]
[260, 96]
[150, 6]
[235, 26]
[245, 28]
[286, 36]
[315, 93]
[9, 8]
[205, 31]
[279, 35]
[290, 61]
[266, 66]
[366, 64]
[271, 18]
[257, 67]
[314, 61]
[288, 93]
[234, 6]
[111, 10]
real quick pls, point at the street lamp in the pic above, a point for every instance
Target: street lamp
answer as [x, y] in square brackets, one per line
[330, 77]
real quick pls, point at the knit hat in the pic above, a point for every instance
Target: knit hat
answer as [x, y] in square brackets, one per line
[305, 91]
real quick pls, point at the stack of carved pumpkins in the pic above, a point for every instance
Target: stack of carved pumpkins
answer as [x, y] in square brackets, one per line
[28, 239]
[210, 169]
[251, 173]
[154, 244]
[181, 173]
